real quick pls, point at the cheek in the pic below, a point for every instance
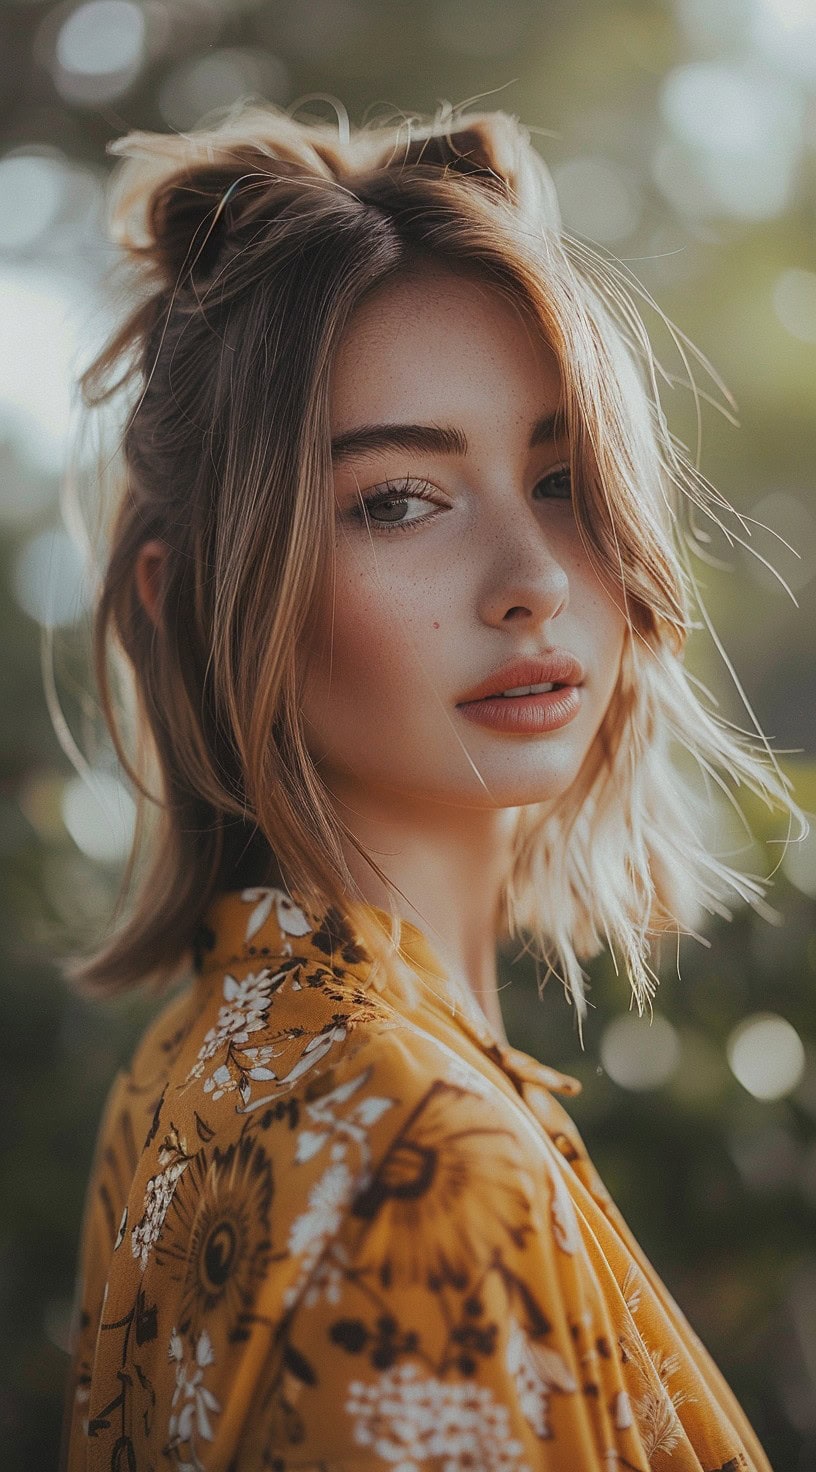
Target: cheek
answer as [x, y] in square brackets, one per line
[599, 606]
[592, 587]
[361, 656]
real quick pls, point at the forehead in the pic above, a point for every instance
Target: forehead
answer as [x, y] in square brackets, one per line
[437, 339]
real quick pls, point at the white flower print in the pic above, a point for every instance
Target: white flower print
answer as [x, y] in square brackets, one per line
[158, 1195]
[537, 1370]
[316, 1048]
[192, 1403]
[565, 1221]
[246, 1012]
[120, 1235]
[335, 1127]
[329, 1278]
[219, 1082]
[410, 1421]
[290, 917]
[328, 1199]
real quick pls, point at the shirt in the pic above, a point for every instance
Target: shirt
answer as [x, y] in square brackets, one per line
[329, 1229]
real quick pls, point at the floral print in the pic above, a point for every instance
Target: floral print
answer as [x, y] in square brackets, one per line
[364, 1234]
[192, 1404]
[158, 1195]
[415, 1421]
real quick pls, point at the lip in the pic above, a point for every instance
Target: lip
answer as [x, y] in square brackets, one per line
[557, 666]
[526, 715]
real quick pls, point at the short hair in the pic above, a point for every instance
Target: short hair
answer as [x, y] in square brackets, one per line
[248, 243]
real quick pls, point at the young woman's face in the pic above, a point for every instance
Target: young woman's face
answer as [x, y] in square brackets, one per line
[434, 595]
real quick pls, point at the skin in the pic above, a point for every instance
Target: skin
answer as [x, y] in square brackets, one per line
[492, 568]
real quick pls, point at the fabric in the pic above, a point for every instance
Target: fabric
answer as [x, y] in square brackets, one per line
[333, 1232]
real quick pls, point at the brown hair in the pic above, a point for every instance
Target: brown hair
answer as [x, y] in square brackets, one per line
[249, 244]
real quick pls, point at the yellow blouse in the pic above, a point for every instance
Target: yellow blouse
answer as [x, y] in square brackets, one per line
[329, 1232]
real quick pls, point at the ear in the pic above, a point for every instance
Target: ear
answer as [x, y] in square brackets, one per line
[149, 575]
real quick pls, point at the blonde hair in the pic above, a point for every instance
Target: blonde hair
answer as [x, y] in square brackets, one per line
[248, 244]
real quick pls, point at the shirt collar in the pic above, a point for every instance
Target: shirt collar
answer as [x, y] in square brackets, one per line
[252, 923]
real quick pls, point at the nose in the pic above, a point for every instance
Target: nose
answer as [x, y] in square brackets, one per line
[527, 577]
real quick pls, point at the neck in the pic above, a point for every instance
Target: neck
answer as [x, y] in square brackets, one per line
[449, 864]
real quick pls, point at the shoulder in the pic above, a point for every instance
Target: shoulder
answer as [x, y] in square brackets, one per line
[282, 1053]
[331, 1188]
[296, 1075]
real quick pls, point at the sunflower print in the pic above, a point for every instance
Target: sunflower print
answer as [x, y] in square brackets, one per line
[413, 1228]
[333, 1225]
[215, 1240]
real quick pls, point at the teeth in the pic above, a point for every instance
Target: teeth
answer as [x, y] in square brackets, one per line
[528, 690]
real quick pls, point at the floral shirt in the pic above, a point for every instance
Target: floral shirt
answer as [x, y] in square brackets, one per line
[327, 1231]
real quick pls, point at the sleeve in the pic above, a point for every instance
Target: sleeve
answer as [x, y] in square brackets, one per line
[444, 1313]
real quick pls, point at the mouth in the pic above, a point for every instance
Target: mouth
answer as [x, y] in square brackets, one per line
[530, 713]
[529, 694]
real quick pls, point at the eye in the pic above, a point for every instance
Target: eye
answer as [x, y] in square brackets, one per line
[562, 477]
[394, 495]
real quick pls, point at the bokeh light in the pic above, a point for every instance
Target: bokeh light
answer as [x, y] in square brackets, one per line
[639, 1053]
[32, 188]
[48, 579]
[99, 50]
[785, 30]
[794, 301]
[100, 817]
[43, 315]
[736, 139]
[705, 24]
[40, 799]
[217, 79]
[766, 1055]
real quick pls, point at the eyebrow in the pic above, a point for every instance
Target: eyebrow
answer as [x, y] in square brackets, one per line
[435, 439]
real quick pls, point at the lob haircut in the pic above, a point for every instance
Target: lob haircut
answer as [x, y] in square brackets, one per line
[247, 245]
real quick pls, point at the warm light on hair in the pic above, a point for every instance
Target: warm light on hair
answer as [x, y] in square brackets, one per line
[248, 246]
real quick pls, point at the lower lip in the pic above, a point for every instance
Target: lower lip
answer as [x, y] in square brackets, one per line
[528, 714]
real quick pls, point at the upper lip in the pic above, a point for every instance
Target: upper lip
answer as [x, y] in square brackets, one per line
[557, 667]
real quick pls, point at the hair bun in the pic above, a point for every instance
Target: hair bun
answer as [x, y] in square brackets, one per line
[168, 196]
[494, 149]
[169, 199]
[482, 146]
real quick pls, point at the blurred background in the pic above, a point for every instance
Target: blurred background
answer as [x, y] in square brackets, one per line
[682, 138]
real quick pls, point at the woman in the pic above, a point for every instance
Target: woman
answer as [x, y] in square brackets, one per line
[397, 580]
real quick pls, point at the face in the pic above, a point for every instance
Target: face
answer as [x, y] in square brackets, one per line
[438, 591]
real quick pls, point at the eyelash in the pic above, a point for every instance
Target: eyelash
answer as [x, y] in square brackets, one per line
[420, 493]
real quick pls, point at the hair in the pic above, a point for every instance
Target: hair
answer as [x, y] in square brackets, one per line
[248, 244]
